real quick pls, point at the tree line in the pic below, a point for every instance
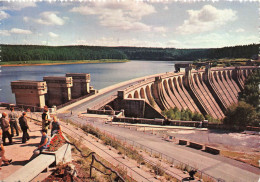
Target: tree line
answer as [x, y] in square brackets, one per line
[58, 53]
[63, 53]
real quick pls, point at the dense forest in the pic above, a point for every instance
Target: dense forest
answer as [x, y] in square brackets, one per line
[60, 53]
[63, 53]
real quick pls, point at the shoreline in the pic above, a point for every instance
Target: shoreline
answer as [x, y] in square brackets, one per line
[62, 63]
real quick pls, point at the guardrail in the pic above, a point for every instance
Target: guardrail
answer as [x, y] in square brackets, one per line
[104, 102]
[75, 100]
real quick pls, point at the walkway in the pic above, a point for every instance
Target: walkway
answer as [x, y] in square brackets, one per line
[20, 152]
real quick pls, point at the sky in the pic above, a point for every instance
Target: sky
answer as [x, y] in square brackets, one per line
[151, 23]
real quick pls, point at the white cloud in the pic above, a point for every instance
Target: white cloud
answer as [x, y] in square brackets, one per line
[20, 31]
[44, 42]
[3, 15]
[239, 30]
[14, 31]
[126, 15]
[109, 41]
[159, 29]
[206, 19]
[26, 19]
[54, 35]
[47, 18]
[173, 43]
[18, 5]
[4, 33]
[213, 40]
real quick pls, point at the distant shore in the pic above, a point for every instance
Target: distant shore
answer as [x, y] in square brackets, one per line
[43, 63]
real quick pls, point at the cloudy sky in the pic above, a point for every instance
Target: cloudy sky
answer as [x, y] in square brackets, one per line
[154, 23]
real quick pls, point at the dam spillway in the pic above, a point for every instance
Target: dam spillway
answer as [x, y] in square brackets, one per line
[209, 91]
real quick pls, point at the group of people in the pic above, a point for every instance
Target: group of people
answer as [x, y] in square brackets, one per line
[8, 122]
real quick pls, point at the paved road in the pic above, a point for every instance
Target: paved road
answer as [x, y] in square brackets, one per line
[217, 166]
[103, 95]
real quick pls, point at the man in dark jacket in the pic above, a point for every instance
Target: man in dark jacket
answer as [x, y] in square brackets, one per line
[5, 128]
[24, 126]
[46, 120]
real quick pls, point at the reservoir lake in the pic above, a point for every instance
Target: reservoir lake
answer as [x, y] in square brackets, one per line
[102, 74]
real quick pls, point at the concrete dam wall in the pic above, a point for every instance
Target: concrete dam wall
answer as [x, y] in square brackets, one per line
[208, 91]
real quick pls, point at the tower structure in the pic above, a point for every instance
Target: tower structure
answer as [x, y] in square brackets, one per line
[59, 89]
[80, 84]
[29, 92]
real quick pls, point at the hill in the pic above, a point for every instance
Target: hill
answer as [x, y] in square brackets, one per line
[65, 53]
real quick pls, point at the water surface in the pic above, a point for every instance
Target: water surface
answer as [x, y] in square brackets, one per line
[102, 74]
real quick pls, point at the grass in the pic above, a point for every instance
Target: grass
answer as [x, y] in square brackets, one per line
[241, 156]
[115, 143]
[50, 62]
[85, 165]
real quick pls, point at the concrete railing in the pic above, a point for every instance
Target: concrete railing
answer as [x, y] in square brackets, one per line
[183, 142]
[139, 120]
[32, 169]
[104, 112]
[196, 145]
[104, 102]
[200, 146]
[75, 100]
[212, 150]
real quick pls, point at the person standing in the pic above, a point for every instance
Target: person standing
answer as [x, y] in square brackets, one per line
[45, 118]
[13, 117]
[2, 153]
[5, 128]
[55, 127]
[24, 126]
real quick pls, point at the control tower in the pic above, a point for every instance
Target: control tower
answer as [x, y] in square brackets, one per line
[29, 92]
[59, 89]
[80, 84]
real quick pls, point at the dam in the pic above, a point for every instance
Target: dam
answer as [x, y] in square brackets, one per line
[208, 91]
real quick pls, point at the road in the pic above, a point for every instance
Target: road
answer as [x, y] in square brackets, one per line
[216, 166]
[103, 94]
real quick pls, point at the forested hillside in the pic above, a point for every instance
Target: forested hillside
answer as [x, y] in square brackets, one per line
[246, 51]
[60, 53]
[63, 53]
[137, 53]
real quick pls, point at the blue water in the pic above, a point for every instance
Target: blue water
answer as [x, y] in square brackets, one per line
[102, 74]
